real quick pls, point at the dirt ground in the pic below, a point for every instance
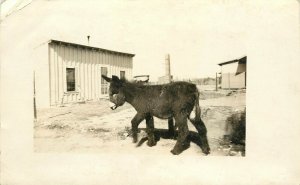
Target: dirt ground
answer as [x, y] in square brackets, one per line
[92, 127]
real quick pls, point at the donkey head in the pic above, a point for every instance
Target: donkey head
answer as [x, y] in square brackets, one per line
[116, 92]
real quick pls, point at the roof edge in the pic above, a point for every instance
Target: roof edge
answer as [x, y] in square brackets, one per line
[89, 47]
[235, 60]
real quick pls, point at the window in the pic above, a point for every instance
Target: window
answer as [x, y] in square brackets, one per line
[122, 74]
[104, 84]
[70, 79]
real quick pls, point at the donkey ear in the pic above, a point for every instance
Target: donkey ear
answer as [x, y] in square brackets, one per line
[115, 78]
[106, 78]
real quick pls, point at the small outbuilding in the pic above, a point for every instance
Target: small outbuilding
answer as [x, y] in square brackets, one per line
[233, 73]
[72, 72]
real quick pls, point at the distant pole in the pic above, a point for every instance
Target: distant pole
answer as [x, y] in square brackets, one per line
[229, 81]
[34, 102]
[216, 81]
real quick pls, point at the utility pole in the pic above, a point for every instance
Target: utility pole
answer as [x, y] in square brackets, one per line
[34, 103]
[216, 81]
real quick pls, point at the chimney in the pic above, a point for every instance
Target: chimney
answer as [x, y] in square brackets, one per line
[167, 65]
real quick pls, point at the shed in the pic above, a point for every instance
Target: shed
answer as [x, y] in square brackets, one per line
[73, 72]
[233, 73]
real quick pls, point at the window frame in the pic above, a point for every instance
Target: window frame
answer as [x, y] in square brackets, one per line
[105, 84]
[124, 74]
[67, 82]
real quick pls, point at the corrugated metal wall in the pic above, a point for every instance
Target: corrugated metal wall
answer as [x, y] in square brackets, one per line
[87, 63]
[233, 80]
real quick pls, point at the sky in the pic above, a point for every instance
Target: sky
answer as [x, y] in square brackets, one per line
[197, 34]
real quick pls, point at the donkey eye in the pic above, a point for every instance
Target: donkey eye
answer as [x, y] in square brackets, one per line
[113, 93]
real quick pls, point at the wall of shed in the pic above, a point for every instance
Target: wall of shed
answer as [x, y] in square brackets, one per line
[87, 64]
[233, 76]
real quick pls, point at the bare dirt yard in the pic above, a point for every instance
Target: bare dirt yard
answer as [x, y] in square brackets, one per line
[92, 127]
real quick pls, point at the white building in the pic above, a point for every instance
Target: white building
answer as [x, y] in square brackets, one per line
[68, 72]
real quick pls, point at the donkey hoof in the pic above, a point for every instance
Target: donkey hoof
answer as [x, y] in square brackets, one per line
[175, 152]
[206, 151]
[151, 143]
[134, 140]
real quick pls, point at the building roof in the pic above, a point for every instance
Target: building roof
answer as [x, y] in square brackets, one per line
[242, 60]
[141, 76]
[89, 47]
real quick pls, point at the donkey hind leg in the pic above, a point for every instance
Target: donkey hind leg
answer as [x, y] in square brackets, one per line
[201, 128]
[138, 118]
[171, 127]
[150, 131]
[183, 132]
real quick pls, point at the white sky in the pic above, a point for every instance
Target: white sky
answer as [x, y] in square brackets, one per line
[197, 34]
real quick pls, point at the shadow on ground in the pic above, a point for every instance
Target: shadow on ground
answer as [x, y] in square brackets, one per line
[165, 134]
[194, 137]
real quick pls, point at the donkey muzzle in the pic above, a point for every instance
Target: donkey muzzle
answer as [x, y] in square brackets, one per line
[112, 106]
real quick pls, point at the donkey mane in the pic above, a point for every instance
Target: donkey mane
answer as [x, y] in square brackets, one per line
[138, 84]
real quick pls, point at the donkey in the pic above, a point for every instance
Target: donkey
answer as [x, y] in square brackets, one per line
[174, 100]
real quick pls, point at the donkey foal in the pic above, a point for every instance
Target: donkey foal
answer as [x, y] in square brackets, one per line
[175, 100]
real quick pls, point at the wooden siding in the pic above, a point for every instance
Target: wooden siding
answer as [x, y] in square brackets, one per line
[233, 80]
[87, 63]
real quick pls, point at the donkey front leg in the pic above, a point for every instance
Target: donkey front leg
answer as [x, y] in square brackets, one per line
[183, 131]
[138, 118]
[150, 130]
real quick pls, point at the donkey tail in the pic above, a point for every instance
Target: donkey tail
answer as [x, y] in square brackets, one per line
[195, 115]
[199, 125]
